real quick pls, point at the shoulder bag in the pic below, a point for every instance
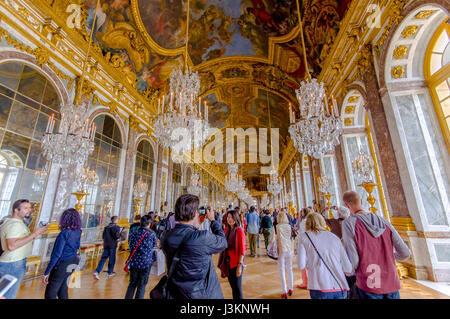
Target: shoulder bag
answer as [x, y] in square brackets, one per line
[161, 291]
[126, 268]
[342, 290]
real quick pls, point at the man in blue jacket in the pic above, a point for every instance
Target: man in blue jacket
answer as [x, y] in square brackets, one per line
[194, 276]
[252, 229]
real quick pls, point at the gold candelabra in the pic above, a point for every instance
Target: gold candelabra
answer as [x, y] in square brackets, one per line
[137, 207]
[371, 200]
[328, 197]
[79, 195]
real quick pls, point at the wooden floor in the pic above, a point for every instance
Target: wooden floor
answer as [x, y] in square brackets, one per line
[261, 281]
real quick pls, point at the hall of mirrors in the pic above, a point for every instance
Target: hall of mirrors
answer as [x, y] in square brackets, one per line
[386, 65]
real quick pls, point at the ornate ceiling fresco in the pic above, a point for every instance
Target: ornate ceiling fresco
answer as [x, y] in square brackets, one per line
[246, 51]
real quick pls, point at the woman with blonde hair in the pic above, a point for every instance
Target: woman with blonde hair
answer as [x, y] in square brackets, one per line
[285, 253]
[301, 229]
[323, 255]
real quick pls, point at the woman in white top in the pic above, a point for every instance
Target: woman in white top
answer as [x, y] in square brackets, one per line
[326, 274]
[285, 253]
[301, 229]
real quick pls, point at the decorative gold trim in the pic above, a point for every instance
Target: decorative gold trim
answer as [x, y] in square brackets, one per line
[400, 52]
[409, 31]
[53, 228]
[349, 109]
[403, 223]
[398, 72]
[348, 121]
[425, 14]
[395, 17]
[353, 99]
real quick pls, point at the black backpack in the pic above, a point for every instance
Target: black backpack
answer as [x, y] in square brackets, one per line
[162, 226]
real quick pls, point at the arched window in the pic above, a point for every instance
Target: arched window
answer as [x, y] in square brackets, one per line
[420, 113]
[329, 169]
[105, 160]
[27, 99]
[143, 170]
[437, 75]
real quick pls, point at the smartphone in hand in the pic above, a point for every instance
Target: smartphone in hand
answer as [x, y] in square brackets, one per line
[6, 282]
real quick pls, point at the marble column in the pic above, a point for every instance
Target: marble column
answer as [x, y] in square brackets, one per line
[339, 154]
[389, 169]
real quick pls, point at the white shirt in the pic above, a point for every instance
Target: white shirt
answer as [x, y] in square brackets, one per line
[333, 253]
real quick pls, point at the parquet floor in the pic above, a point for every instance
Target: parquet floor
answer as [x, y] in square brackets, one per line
[261, 281]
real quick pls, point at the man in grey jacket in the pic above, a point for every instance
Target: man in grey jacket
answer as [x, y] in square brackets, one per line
[370, 241]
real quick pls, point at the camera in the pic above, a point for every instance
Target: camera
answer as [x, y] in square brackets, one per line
[42, 224]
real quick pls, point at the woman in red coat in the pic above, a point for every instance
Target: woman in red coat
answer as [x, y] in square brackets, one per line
[231, 260]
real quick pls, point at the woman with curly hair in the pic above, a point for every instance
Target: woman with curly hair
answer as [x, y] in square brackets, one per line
[64, 258]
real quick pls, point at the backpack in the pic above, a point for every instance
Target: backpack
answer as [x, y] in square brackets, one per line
[162, 226]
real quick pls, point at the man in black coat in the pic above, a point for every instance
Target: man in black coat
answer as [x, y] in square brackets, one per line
[111, 237]
[194, 275]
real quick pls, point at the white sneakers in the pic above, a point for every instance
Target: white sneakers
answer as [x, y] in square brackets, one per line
[112, 275]
[96, 276]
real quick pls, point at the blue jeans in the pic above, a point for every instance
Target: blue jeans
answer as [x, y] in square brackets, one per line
[107, 253]
[367, 295]
[317, 294]
[16, 269]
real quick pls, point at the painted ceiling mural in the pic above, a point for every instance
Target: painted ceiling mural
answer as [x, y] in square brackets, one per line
[229, 46]
[218, 28]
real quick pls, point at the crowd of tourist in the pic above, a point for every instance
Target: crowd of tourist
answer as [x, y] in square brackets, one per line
[342, 252]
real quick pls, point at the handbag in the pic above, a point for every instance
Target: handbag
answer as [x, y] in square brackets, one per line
[272, 251]
[342, 290]
[126, 268]
[160, 291]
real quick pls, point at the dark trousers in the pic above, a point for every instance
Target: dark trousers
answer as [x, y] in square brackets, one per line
[107, 253]
[138, 281]
[58, 280]
[235, 283]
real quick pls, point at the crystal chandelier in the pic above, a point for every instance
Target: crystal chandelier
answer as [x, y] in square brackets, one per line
[265, 201]
[38, 181]
[233, 181]
[108, 189]
[273, 184]
[319, 126]
[181, 112]
[84, 178]
[363, 166]
[324, 184]
[139, 189]
[195, 188]
[74, 140]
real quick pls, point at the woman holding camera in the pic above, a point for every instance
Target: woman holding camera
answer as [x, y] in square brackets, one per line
[64, 259]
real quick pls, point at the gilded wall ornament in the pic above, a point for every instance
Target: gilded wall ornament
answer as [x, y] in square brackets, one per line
[398, 72]
[42, 56]
[424, 14]
[409, 31]
[395, 17]
[400, 52]
[349, 109]
[348, 121]
[353, 99]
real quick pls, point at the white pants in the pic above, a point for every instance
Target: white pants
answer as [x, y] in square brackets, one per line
[285, 260]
